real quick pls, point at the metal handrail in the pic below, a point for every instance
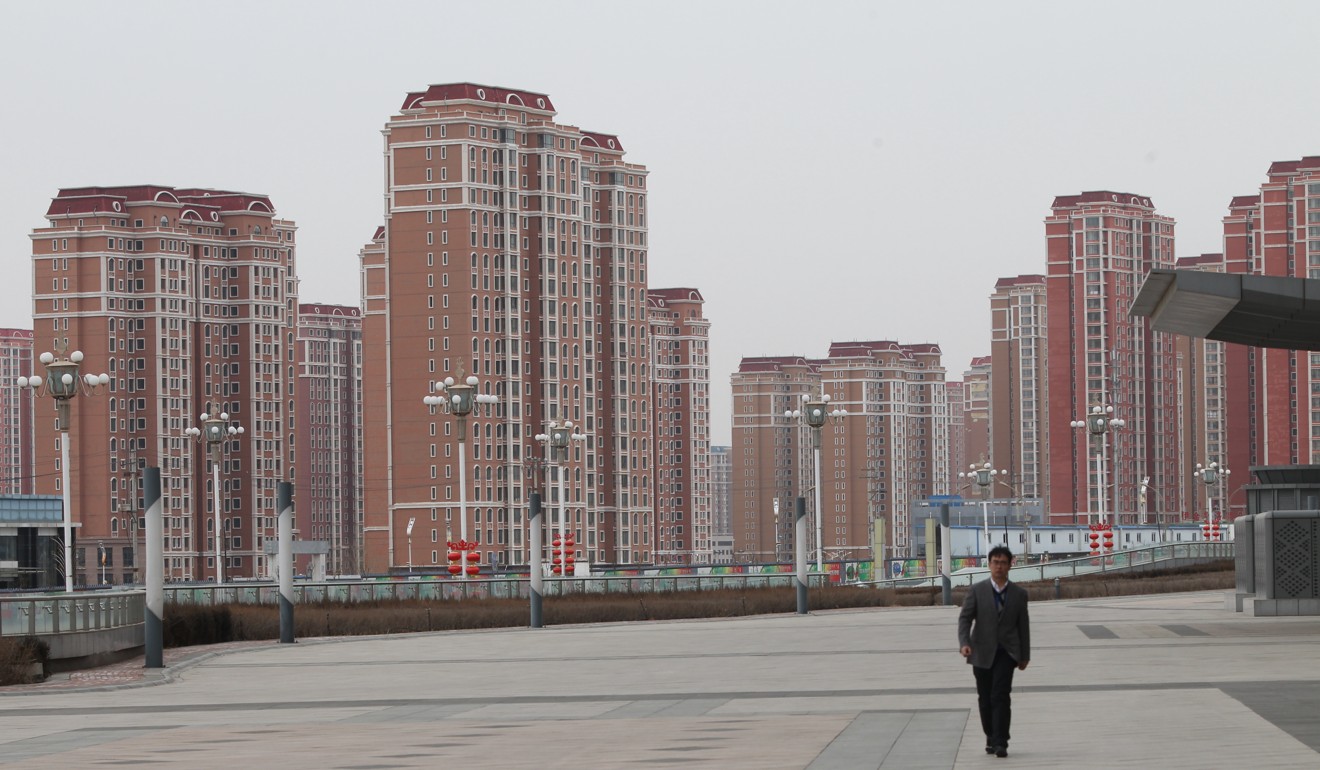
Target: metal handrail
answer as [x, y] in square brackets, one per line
[1117, 561]
[62, 613]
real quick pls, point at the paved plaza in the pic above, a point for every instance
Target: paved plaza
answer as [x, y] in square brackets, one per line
[1167, 681]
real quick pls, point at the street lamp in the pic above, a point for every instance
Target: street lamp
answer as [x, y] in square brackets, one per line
[1098, 422]
[558, 439]
[984, 477]
[814, 415]
[214, 431]
[459, 400]
[62, 383]
[1210, 475]
[412, 520]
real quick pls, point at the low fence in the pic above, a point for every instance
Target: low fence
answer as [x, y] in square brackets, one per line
[70, 613]
[59, 614]
[455, 589]
[1152, 557]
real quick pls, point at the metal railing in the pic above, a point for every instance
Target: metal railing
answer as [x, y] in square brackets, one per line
[98, 610]
[70, 613]
[478, 588]
[1135, 558]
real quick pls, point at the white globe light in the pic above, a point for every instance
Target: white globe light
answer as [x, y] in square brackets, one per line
[47, 358]
[224, 415]
[76, 356]
[240, 429]
[449, 382]
[67, 379]
[472, 379]
[103, 379]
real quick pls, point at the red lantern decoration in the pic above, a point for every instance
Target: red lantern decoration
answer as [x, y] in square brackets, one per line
[454, 569]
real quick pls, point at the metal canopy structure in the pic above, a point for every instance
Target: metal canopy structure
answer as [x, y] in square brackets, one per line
[1265, 311]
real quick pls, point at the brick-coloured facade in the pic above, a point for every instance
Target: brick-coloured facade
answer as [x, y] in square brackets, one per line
[976, 417]
[515, 249]
[1100, 246]
[891, 448]
[186, 298]
[1019, 386]
[684, 499]
[16, 413]
[329, 426]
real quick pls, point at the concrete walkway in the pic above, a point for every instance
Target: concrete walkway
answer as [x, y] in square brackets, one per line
[1167, 681]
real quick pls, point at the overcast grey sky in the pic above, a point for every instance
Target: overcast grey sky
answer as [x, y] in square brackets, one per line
[839, 171]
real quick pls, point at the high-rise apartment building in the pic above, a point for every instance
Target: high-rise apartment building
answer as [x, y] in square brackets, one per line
[1019, 388]
[891, 447]
[1203, 387]
[976, 420]
[721, 491]
[680, 369]
[1246, 406]
[1100, 247]
[765, 457]
[955, 400]
[15, 413]
[515, 250]
[186, 297]
[329, 425]
[1276, 233]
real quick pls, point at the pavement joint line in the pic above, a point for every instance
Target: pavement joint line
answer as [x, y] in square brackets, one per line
[642, 697]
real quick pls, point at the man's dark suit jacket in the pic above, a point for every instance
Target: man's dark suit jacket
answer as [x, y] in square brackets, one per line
[985, 629]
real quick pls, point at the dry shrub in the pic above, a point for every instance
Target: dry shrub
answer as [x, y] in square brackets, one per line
[23, 660]
[185, 625]
[193, 624]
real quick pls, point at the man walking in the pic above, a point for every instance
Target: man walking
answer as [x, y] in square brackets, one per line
[994, 635]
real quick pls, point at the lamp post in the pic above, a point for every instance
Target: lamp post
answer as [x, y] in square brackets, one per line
[558, 439]
[814, 415]
[459, 401]
[1210, 474]
[62, 383]
[983, 476]
[412, 520]
[1098, 422]
[215, 429]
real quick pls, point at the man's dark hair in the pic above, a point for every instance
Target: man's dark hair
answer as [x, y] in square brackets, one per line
[1000, 550]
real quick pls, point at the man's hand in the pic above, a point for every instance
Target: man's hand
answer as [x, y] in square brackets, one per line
[1023, 665]
[967, 652]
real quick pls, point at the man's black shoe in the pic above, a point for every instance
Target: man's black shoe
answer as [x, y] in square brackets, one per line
[1001, 751]
[989, 749]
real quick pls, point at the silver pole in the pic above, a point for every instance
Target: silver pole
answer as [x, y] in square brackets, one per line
[215, 502]
[462, 497]
[946, 562]
[155, 571]
[68, 511]
[985, 527]
[563, 521]
[800, 553]
[284, 495]
[538, 579]
[820, 544]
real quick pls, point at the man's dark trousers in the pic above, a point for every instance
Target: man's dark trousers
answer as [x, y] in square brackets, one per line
[993, 688]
